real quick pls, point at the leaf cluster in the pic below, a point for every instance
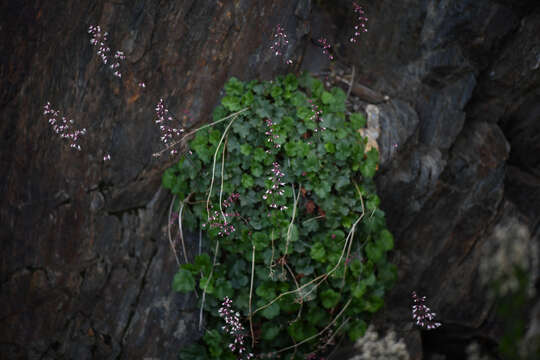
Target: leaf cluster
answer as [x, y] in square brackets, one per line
[323, 259]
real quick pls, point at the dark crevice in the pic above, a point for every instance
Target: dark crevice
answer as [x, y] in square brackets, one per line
[452, 340]
[135, 304]
[30, 269]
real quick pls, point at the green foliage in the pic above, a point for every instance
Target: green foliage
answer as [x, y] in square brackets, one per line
[183, 281]
[311, 268]
[512, 309]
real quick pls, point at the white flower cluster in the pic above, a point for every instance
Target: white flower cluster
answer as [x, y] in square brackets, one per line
[168, 133]
[234, 327]
[280, 43]
[99, 39]
[371, 347]
[509, 247]
[63, 126]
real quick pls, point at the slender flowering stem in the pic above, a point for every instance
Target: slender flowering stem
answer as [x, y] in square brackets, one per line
[361, 25]
[275, 187]
[422, 315]
[99, 39]
[234, 327]
[63, 127]
[171, 145]
[225, 227]
[168, 133]
[271, 136]
[114, 61]
[317, 113]
[326, 48]
[280, 43]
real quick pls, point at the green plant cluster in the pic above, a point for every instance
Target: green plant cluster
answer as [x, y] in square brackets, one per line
[292, 274]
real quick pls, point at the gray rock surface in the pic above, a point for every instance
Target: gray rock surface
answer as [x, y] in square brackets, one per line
[85, 266]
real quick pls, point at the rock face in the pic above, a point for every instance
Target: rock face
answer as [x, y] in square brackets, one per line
[86, 268]
[457, 149]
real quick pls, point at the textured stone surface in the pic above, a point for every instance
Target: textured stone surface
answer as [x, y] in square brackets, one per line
[465, 75]
[85, 270]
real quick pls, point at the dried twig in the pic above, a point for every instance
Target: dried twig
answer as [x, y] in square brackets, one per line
[214, 166]
[295, 204]
[320, 332]
[251, 297]
[173, 248]
[207, 283]
[351, 84]
[319, 279]
[180, 226]
[222, 176]
[301, 302]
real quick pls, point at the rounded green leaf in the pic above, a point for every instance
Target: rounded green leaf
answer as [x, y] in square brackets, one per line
[327, 98]
[357, 330]
[245, 149]
[329, 298]
[318, 252]
[271, 311]
[386, 240]
[270, 330]
[183, 281]
[374, 252]
[247, 181]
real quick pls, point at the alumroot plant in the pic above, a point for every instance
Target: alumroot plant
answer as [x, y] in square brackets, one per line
[328, 259]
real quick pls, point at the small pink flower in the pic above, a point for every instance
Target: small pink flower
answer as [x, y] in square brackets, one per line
[280, 43]
[234, 327]
[422, 315]
[362, 19]
[216, 220]
[63, 127]
[326, 47]
[275, 190]
[169, 133]
[99, 39]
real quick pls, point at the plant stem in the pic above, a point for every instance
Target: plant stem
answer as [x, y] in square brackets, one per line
[207, 283]
[173, 248]
[180, 226]
[320, 332]
[214, 166]
[319, 278]
[198, 129]
[292, 219]
[222, 176]
[251, 296]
